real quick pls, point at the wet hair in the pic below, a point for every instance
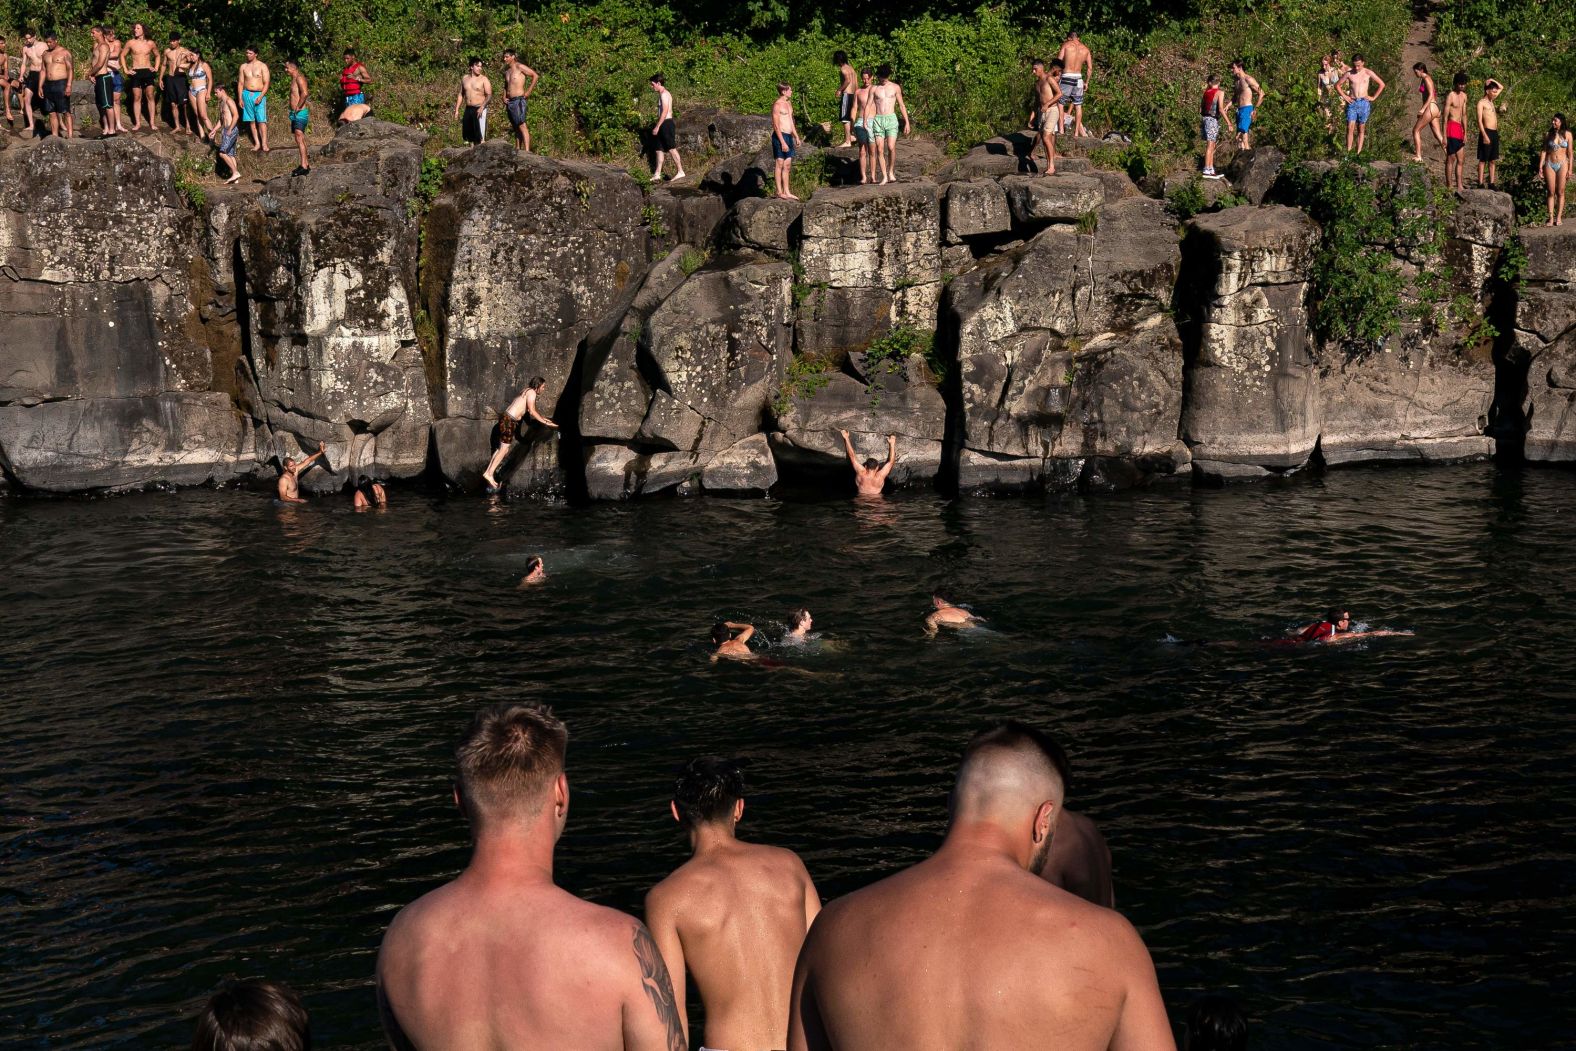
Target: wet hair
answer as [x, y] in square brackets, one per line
[720, 633]
[1016, 735]
[706, 789]
[537, 381]
[884, 70]
[872, 463]
[1216, 1023]
[1335, 613]
[840, 58]
[797, 617]
[656, 78]
[1459, 80]
[511, 753]
[533, 564]
[253, 1016]
[1419, 67]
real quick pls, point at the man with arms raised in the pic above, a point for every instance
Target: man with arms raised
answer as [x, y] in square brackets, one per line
[290, 473]
[735, 914]
[970, 948]
[870, 476]
[501, 957]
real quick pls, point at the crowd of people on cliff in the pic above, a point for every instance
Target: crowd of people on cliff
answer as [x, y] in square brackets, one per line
[871, 107]
[1006, 934]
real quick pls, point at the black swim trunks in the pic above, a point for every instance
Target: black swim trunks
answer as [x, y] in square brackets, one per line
[667, 135]
[1454, 145]
[1488, 145]
[32, 81]
[177, 89]
[104, 90]
[473, 126]
[55, 98]
[845, 112]
[142, 78]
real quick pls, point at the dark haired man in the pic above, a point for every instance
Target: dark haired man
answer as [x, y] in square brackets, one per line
[734, 915]
[1337, 627]
[353, 80]
[1046, 115]
[103, 81]
[870, 476]
[140, 55]
[174, 65]
[252, 82]
[59, 72]
[734, 647]
[1077, 69]
[849, 83]
[969, 948]
[1356, 90]
[799, 624]
[502, 956]
[785, 139]
[1488, 133]
[253, 1016]
[944, 614]
[1456, 132]
[665, 132]
[300, 112]
[290, 471]
[886, 103]
[516, 91]
[31, 76]
[1248, 96]
[228, 134]
[474, 94]
[509, 420]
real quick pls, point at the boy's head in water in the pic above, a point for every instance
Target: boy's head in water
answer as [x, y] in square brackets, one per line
[799, 622]
[1338, 615]
[1216, 1023]
[253, 1016]
[720, 633]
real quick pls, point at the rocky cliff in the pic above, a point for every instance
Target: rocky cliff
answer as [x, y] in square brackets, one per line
[1015, 331]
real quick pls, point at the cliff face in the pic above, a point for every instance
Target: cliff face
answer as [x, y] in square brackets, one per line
[1014, 331]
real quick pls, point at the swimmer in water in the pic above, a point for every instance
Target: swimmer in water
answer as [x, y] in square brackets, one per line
[368, 494]
[1336, 627]
[799, 624]
[535, 572]
[946, 615]
[289, 487]
[735, 647]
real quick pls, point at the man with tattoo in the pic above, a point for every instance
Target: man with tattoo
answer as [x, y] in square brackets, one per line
[969, 948]
[501, 956]
[735, 914]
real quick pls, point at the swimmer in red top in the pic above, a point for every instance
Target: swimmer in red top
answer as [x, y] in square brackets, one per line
[1337, 627]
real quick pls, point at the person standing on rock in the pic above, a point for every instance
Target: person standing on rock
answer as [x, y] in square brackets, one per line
[103, 83]
[871, 475]
[1427, 113]
[228, 139]
[290, 473]
[1046, 115]
[1356, 89]
[665, 132]
[1488, 133]
[474, 95]
[886, 98]
[1554, 164]
[1248, 97]
[353, 81]
[733, 916]
[1456, 133]
[300, 112]
[202, 81]
[59, 73]
[173, 66]
[141, 60]
[509, 421]
[845, 95]
[785, 137]
[861, 129]
[7, 84]
[519, 81]
[112, 39]
[31, 76]
[1212, 110]
[1077, 70]
[252, 83]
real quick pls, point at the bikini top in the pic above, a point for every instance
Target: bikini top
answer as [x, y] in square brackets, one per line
[1559, 144]
[197, 74]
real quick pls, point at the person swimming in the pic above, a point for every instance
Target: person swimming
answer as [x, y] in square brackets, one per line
[1336, 627]
[368, 494]
[799, 624]
[946, 615]
[730, 645]
[535, 572]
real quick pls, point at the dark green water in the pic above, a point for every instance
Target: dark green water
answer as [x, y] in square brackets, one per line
[227, 729]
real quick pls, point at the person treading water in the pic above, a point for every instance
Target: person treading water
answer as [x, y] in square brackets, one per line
[946, 615]
[368, 494]
[799, 624]
[870, 476]
[535, 572]
[289, 474]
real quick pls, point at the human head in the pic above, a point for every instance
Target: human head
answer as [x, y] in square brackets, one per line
[720, 633]
[708, 790]
[50, 40]
[292, 65]
[883, 71]
[350, 56]
[1038, 66]
[509, 763]
[1072, 34]
[1492, 87]
[1338, 615]
[871, 463]
[1325, 61]
[251, 54]
[1013, 776]
[1214, 80]
[96, 32]
[1459, 81]
[196, 53]
[1216, 1023]
[253, 1016]
[533, 566]
[656, 83]
[784, 90]
[1238, 66]
[1556, 126]
[799, 619]
[1358, 61]
[175, 38]
[537, 383]
[1056, 67]
[474, 64]
[867, 75]
[138, 31]
[839, 58]
[1420, 69]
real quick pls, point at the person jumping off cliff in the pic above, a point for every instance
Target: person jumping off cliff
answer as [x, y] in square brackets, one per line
[870, 476]
[522, 406]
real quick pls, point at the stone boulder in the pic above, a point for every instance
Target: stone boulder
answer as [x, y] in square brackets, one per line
[897, 397]
[1545, 343]
[976, 208]
[1252, 404]
[330, 271]
[1061, 198]
[523, 255]
[1252, 173]
[994, 158]
[105, 380]
[763, 224]
[709, 130]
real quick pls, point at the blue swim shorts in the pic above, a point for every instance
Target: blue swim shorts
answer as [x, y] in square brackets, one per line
[1244, 119]
[254, 107]
[781, 152]
[1357, 111]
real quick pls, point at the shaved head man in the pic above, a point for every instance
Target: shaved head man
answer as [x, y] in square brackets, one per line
[501, 957]
[969, 948]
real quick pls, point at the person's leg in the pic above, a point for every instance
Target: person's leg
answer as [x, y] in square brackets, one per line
[657, 175]
[264, 123]
[1050, 150]
[1351, 134]
[1078, 121]
[1551, 181]
[1564, 175]
[1417, 138]
[27, 106]
[678, 162]
[300, 138]
[1493, 173]
[498, 457]
[1433, 122]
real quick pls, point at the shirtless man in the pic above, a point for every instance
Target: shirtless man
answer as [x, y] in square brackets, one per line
[103, 83]
[861, 133]
[1248, 97]
[665, 132]
[799, 624]
[735, 914]
[1077, 71]
[1488, 133]
[946, 615]
[300, 112]
[174, 65]
[846, 91]
[368, 494]
[115, 48]
[730, 645]
[1456, 132]
[501, 957]
[31, 74]
[228, 138]
[886, 102]
[519, 81]
[290, 473]
[59, 72]
[509, 420]
[1354, 90]
[1046, 115]
[785, 139]
[475, 93]
[969, 948]
[7, 84]
[140, 56]
[1336, 627]
[870, 476]
[252, 84]
[535, 573]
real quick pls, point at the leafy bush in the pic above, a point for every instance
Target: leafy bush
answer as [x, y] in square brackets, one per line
[806, 376]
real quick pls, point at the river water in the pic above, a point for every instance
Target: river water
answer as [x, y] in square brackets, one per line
[228, 728]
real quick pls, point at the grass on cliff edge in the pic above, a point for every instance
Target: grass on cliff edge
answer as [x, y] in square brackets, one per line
[965, 76]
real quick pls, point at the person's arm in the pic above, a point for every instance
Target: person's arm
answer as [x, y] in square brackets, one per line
[486, 92]
[664, 931]
[362, 74]
[71, 72]
[886, 468]
[459, 99]
[853, 458]
[903, 109]
[1341, 86]
[529, 89]
[931, 622]
[745, 631]
[651, 1021]
[268, 78]
[1088, 69]
[1257, 90]
[806, 1031]
[530, 408]
[812, 899]
[304, 464]
[1380, 81]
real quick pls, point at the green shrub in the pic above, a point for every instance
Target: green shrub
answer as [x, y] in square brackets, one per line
[806, 376]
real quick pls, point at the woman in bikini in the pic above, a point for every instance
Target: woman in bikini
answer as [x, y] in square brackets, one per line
[1554, 164]
[1329, 75]
[201, 78]
[1427, 113]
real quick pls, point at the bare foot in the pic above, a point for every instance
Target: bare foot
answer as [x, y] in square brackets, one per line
[677, 177]
[232, 179]
[790, 197]
[1050, 169]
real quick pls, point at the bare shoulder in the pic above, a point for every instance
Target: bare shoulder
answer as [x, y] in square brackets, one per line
[1065, 916]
